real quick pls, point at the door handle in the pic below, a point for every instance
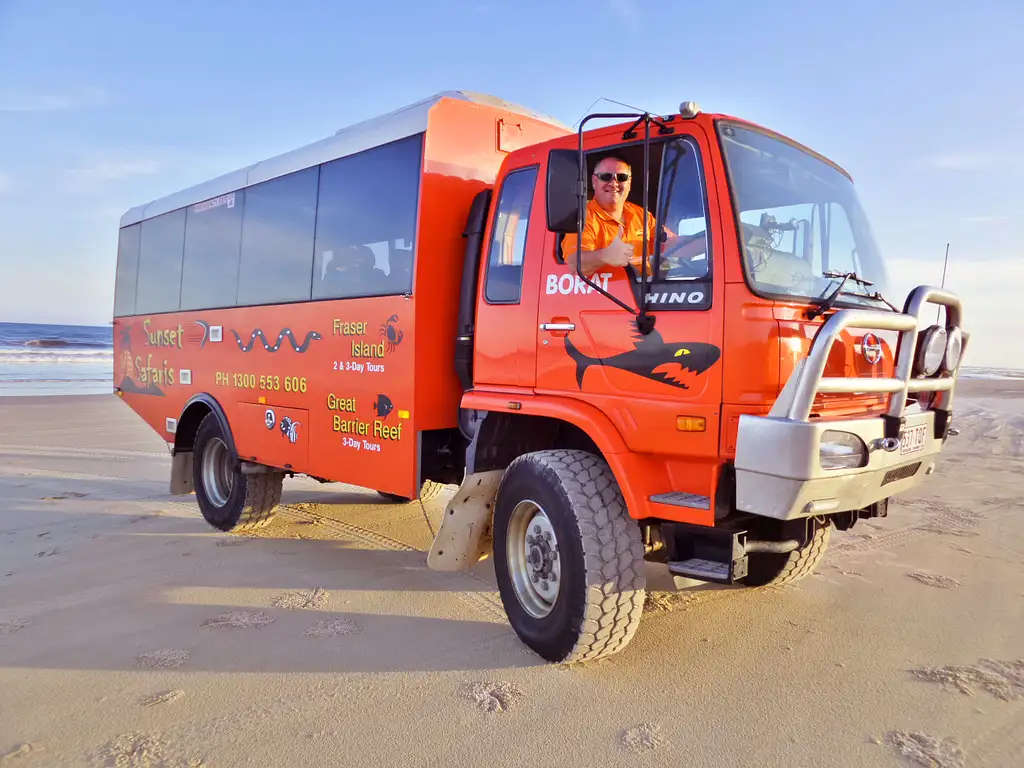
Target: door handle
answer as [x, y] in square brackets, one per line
[558, 326]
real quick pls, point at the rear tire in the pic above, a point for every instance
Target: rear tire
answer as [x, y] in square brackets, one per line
[568, 559]
[428, 492]
[228, 499]
[770, 569]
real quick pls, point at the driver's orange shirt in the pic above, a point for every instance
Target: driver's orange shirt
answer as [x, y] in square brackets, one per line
[600, 228]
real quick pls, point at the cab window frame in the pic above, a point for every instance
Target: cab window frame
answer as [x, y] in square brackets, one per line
[534, 170]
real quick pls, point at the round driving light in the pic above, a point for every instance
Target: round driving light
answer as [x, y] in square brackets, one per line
[931, 350]
[954, 349]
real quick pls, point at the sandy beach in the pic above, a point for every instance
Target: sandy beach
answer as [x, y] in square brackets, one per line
[132, 634]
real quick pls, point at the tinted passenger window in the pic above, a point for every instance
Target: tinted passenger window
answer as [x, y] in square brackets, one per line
[508, 238]
[127, 270]
[366, 219]
[213, 236]
[277, 239]
[159, 284]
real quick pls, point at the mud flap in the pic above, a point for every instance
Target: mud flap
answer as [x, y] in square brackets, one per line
[464, 537]
[181, 474]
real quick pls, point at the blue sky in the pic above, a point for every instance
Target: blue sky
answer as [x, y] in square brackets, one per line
[104, 105]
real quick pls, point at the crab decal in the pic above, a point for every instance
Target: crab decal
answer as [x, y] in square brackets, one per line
[290, 429]
[392, 333]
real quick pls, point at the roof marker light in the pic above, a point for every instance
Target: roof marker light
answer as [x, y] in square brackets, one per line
[688, 109]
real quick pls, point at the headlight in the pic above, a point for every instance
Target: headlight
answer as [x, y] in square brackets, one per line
[931, 349]
[841, 450]
[954, 349]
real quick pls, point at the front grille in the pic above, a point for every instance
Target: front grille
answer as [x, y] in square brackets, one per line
[901, 473]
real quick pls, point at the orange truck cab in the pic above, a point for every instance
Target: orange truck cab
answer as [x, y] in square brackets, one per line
[717, 407]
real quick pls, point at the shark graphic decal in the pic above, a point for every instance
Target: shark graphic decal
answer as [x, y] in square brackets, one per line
[652, 358]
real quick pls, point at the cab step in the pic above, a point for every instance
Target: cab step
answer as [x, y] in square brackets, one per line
[702, 569]
[704, 553]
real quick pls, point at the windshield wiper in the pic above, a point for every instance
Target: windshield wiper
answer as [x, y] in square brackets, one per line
[828, 303]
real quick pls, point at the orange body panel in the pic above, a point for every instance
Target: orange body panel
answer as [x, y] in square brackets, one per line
[365, 375]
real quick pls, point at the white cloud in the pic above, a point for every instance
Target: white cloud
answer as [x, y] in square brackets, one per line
[979, 160]
[990, 294]
[102, 167]
[78, 98]
[981, 219]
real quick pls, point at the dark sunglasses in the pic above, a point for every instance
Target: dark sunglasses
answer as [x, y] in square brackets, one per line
[622, 178]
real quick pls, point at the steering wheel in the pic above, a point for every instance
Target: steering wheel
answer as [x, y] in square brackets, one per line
[672, 266]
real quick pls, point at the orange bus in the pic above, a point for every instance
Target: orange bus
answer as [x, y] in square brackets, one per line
[400, 307]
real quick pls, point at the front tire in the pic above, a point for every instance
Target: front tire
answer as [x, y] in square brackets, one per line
[228, 499]
[568, 559]
[769, 569]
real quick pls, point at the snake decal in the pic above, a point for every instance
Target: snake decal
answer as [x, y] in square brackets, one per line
[285, 333]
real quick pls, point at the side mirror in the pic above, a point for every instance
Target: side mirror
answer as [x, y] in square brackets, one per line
[563, 190]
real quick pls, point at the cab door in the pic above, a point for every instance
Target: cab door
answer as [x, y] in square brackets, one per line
[663, 390]
[505, 346]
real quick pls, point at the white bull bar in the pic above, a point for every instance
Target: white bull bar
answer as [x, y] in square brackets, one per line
[778, 467]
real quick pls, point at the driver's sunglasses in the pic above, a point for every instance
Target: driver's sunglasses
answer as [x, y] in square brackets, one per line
[622, 178]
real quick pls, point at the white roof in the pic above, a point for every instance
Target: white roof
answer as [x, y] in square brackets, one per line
[382, 129]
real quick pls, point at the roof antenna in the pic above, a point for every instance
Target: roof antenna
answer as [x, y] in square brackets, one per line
[602, 98]
[945, 263]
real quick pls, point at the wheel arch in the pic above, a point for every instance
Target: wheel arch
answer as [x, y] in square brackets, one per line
[198, 407]
[192, 415]
[498, 436]
[537, 423]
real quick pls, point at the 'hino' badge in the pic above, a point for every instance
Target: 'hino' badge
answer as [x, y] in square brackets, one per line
[871, 348]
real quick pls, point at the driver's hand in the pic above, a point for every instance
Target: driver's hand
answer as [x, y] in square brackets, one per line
[618, 253]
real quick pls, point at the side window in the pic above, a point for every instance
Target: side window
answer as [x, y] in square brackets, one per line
[367, 204]
[508, 238]
[276, 262]
[213, 237]
[684, 214]
[159, 283]
[127, 270]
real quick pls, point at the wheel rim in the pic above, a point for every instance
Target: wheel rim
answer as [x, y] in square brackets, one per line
[533, 559]
[218, 476]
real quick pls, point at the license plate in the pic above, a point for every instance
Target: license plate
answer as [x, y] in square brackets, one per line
[913, 439]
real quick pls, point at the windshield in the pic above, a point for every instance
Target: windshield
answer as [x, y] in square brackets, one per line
[800, 220]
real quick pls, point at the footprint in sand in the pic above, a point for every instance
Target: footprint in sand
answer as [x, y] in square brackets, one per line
[306, 598]
[492, 696]
[165, 658]
[143, 749]
[234, 541]
[239, 620]
[644, 737]
[933, 580]
[332, 628]
[666, 602]
[22, 750]
[927, 750]
[10, 626]
[166, 697]
[1002, 679]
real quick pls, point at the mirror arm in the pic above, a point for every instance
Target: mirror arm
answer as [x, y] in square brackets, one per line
[581, 210]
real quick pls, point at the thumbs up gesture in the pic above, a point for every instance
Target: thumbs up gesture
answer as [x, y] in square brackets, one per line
[619, 253]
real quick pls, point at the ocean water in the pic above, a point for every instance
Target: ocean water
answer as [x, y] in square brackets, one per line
[79, 360]
[56, 359]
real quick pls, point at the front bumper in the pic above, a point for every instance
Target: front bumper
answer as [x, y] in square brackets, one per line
[778, 469]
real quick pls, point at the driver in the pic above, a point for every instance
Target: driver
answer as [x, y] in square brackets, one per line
[613, 230]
